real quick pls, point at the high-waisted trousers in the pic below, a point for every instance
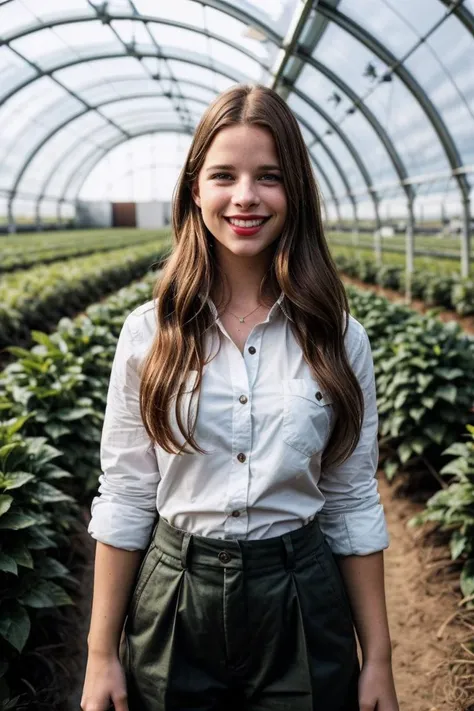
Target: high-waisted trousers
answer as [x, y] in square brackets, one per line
[223, 624]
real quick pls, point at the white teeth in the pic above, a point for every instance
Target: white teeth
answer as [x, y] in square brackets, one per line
[246, 223]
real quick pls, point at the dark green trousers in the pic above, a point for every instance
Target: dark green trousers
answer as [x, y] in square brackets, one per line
[250, 625]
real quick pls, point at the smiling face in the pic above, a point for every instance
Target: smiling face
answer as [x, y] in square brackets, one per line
[240, 190]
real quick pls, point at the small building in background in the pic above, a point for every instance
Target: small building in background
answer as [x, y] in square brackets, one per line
[143, 215]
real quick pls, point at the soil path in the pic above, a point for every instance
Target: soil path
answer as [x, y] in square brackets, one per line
[422, 592]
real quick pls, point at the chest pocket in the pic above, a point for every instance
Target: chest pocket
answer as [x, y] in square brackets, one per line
[306, 415]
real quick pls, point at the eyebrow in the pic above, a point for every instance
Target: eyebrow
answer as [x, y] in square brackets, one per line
[269, 166]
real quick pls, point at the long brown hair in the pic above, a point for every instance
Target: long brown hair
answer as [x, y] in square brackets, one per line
[302, 268]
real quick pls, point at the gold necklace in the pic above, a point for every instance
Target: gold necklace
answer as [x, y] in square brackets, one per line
[242, 318]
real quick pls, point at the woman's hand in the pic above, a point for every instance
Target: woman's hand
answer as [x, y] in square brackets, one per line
[104, 684]
[377, 687]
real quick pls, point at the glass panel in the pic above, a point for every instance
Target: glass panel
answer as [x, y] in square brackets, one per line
[397, 24]
[60, 170]
[147, 104]
[68, 211]
[3, 210]
[24, 107]
[13, 71]
[48, 8]
[93, 133]
[178, 10]
[276, 14]
[24, 211]
[130, 30]
[104, 69]
[355, 125]
[66, 42]
[149, 164]
[331, 140]
[12, 16]
[393, 105]
[184, 70]
[444, 67]
[232, 58]
[220, 23]
[329, 168]
[48, 210]
[103, 91]
[176, 37]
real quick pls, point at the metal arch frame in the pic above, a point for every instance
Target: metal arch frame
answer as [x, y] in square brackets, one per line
[136, 96]
[350, 147]
[103, 153]
[49, 136]
[149, 131]
[255, 20]
[59, 127]
[256, 59]
[42, 194]
[407, 78]
[389, 146]
[106, 17]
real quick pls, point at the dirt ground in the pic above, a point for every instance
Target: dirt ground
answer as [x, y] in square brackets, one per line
[427, 626]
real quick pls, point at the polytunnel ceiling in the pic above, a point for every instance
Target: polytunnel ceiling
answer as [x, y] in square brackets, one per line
[382, 89]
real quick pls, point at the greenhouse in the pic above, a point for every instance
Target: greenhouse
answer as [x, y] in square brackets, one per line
[99, 104]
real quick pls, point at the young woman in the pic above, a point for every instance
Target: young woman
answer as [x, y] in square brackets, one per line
[239, 451]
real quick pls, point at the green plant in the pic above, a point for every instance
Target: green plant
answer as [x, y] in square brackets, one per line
[452, 509]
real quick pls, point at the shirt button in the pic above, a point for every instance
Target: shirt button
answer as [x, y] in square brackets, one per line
[318, 395]
[252, 350]
[242, 399]
[224, 557]
[236, 514]
[241, 457]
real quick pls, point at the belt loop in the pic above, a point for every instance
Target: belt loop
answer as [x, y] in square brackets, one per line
[289, 552]
[184, 549]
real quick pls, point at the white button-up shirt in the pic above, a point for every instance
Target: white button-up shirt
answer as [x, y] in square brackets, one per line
[264, 422]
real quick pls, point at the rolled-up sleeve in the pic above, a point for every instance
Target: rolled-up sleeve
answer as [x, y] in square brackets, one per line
[352, 518]
[124, 512]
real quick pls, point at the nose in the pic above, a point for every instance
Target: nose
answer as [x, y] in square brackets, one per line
[245, 194]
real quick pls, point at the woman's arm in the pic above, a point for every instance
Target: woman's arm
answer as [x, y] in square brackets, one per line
[114, 573]
[363, 577]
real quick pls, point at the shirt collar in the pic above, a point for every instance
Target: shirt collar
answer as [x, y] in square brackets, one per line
[279, 303]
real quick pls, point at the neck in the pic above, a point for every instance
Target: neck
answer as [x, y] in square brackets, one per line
[243, 276]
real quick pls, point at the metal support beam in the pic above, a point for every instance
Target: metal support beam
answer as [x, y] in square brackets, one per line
[466, 238]
[291, 40]
[410, 252]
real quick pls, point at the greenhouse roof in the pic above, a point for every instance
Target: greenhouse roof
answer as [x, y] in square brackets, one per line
[382, 89]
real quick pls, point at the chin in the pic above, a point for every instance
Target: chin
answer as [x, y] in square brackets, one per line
[247, 250]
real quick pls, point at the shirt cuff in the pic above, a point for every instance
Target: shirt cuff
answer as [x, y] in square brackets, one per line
[120, 526]
[356, 532]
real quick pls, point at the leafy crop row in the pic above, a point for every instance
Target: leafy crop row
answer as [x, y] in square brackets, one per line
[447, 289]
[23, 254]
[39, 297]
[52, 401]
[425, 399]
